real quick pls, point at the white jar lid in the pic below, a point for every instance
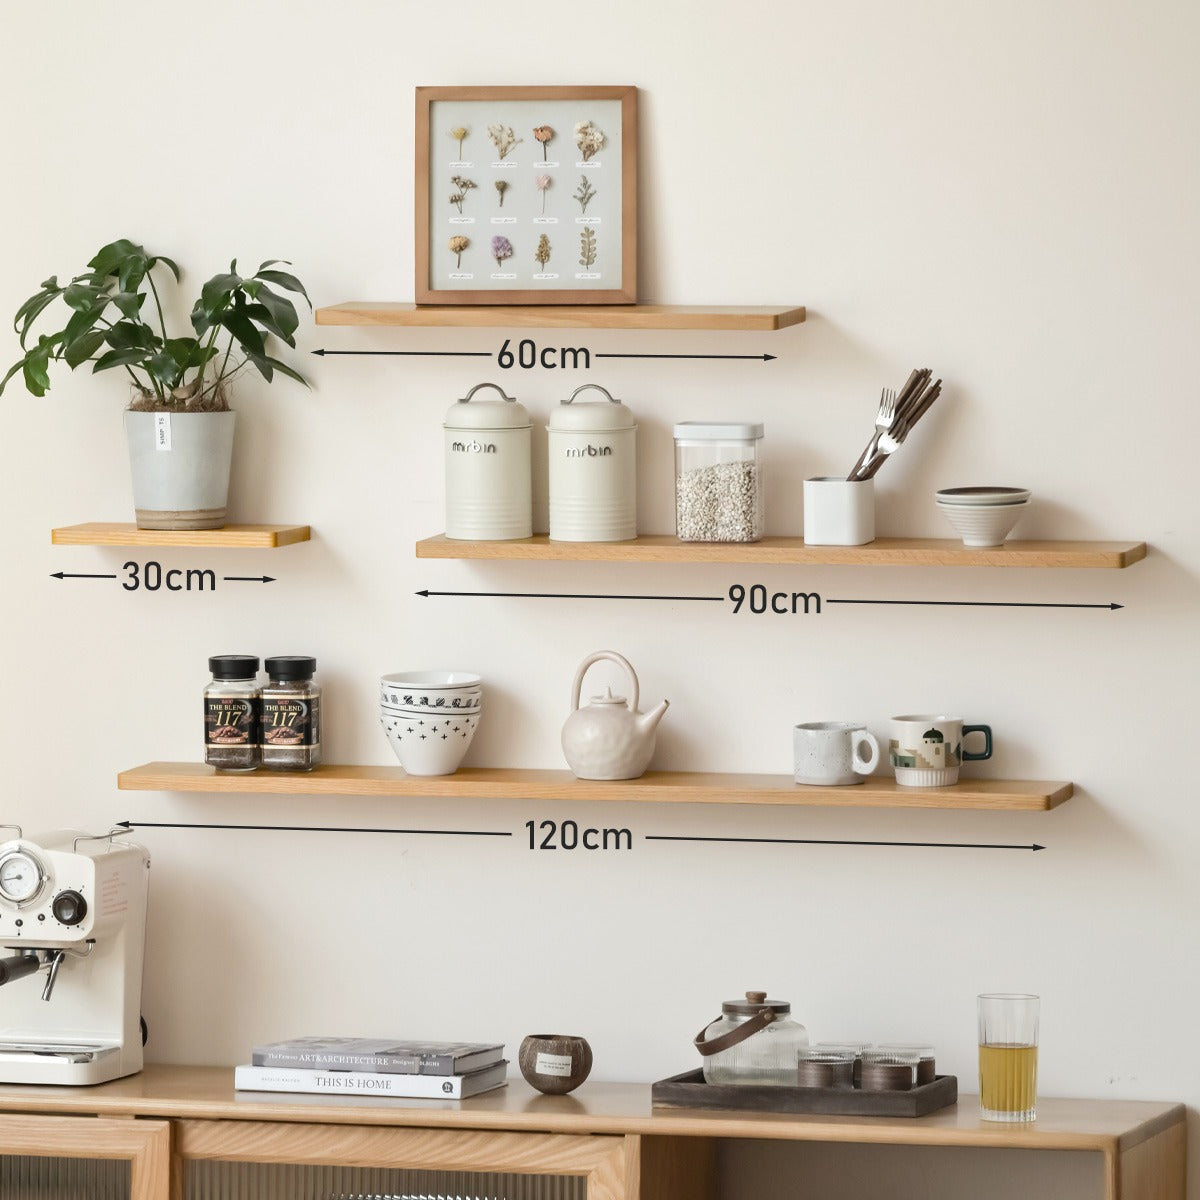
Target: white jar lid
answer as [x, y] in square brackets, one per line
[487, 414]
[718, 431]
[598, 416]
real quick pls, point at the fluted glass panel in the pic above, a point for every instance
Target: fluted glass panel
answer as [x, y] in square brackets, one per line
[215, 1180]
[25, 1177]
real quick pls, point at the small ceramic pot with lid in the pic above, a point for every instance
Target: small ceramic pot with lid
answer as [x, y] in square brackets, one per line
[593, 470]
[755, 1040]
[489, 493]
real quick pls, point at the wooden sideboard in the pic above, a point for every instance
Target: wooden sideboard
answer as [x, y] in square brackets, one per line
[166, 1120]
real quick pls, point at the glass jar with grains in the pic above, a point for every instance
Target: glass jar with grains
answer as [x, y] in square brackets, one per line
[232, 712]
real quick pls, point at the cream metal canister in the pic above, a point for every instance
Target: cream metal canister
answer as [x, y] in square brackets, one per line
[593, 470]
[489, 493]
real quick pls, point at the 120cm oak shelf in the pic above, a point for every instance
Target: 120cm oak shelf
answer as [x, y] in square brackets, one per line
[680, 787]
[791, 551]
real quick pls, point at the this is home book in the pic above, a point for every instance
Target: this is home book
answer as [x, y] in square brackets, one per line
[370, 1083]
[381, 1055]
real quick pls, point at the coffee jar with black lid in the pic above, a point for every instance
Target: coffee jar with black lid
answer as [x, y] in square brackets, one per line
[291, 714]
[754, 1040]
[232, 713]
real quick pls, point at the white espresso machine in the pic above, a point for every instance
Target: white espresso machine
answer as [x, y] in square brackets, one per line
[72, 937]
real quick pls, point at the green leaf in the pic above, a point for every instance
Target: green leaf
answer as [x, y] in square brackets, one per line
[37, 377]
[120, 358]
[286, 370]
[132, 334]
[130, 303]
[79, 350]
[284, 280]
[201, 321]
[17, 366]
[109, 258]
[162, 258]
[163, 368]
[31, 310]
[263, 363]
[82, 296]
[131, 274]
[82, 322]
[270, 263]
[274, 315]
[244, 333]
[214, 295]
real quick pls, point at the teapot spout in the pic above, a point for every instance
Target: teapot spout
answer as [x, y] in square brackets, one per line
[648, 721]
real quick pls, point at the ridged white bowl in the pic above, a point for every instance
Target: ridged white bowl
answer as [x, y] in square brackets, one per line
[982, 495]
[983, 524]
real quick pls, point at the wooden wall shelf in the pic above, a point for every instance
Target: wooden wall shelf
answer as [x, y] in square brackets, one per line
[791, 551]
[754, 319]
[106, 533]
[679, 787]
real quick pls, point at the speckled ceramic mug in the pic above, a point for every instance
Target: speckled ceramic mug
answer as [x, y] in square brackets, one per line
[833, 753]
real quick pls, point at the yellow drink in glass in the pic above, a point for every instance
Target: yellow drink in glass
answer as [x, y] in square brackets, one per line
[1008, 1082]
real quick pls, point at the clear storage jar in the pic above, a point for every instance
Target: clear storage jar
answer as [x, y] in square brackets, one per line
[755, 1040]
[233, 713]
[718, 481]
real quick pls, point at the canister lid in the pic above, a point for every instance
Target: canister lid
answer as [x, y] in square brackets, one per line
[718, 431]
[505, 413]
[753, 1003]
[233, 666]
[596, 416]
[291, 666]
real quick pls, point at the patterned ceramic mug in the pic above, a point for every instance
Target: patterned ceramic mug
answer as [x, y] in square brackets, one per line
[926, 750]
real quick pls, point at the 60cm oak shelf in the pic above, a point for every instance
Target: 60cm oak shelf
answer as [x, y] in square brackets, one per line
[680, 787]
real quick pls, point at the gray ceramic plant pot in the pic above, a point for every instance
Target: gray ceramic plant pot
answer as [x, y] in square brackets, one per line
[180, 464]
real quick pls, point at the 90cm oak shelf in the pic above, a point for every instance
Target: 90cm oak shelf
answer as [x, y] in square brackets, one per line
[791, 551]
[679, 787]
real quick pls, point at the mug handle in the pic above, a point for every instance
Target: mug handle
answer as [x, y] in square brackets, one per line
[986, 730]
[858, 739]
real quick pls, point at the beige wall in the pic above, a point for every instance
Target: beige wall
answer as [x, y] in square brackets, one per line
[1005, 192]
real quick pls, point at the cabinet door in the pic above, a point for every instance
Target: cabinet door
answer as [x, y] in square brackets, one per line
[221, 1160]
[100, 1158]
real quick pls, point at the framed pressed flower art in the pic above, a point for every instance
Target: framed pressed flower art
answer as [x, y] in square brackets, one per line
[526, 195]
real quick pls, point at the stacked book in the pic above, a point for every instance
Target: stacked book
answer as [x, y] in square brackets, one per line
[375, 1067]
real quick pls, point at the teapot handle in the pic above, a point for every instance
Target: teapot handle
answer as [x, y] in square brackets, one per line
[739, 1033]
[614, 657]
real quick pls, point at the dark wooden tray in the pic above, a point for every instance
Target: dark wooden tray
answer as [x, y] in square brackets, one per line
[690, 1091]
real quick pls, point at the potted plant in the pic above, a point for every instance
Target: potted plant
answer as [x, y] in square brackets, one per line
[178, 423]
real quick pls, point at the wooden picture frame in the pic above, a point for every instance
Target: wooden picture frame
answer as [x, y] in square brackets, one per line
[526, 195]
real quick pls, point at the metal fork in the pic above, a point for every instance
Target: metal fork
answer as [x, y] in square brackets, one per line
[884, 420]
[891, 439]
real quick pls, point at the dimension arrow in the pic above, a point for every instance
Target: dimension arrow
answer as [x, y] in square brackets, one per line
[755, 357]
[666, 837]
[413, 353]
[248, 578]
[563, 595]
[316, 829]
[69, 575]
[976, 603]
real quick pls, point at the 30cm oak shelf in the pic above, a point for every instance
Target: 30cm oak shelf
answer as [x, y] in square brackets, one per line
[680, 787]
[791, 551]
[250, 537]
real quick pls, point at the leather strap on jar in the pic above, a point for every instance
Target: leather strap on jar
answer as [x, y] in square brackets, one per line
[739, 1033]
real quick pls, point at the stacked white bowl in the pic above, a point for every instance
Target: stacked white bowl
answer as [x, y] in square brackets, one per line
[430, 718]
[983, 516]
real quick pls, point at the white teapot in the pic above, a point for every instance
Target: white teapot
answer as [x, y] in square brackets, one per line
[609, 739]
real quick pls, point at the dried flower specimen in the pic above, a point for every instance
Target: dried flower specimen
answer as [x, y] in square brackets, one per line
[459, 134]
[463, 186]
[587, 247]
[503, 138]
[542, 254]
[589, 138]
[542, 182]
[584, 193]
[502, 187]
[501, 249]
[457, 246]
[543, 133]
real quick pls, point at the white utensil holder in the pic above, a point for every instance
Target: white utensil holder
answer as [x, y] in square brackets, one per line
[839, 512]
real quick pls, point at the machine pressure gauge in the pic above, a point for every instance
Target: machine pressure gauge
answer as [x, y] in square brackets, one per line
[21, 876]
